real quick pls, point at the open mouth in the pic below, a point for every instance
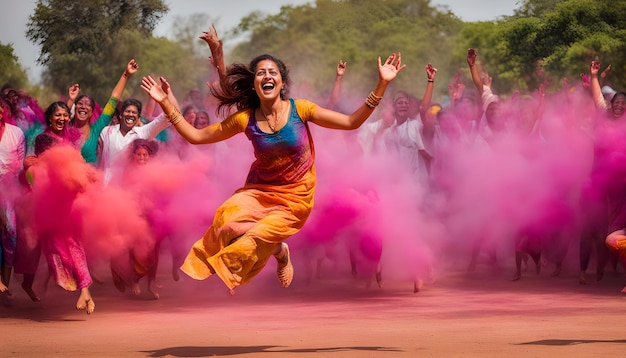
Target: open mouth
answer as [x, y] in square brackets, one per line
[268, 87]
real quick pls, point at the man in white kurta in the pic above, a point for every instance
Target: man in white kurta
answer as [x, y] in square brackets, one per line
[114, 144]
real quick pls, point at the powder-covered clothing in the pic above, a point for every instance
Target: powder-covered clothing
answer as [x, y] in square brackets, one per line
[274, 203]
[12, 153]
[59, 177]
[12, 150]
[115, 144]
[89, 149]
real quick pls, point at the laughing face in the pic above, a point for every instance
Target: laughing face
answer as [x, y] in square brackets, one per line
[268, 81]
[618, 104]
[59, 119]
[129, 117]
[202, 120]
[83, 110]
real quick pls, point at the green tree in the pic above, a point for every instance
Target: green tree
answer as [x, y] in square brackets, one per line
[567, 36]
[535, 8]
[312, 39]
[90, 41]
[12, 72]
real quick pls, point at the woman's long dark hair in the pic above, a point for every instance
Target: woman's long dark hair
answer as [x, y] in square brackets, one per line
[237, 87]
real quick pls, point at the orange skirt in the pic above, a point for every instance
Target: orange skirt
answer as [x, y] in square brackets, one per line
[247, 228]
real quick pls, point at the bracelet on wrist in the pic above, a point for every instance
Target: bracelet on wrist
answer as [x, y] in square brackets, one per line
[175, 116]
[372, 100]
[431, 80]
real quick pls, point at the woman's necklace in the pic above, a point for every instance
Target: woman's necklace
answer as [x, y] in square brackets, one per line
[274, 127]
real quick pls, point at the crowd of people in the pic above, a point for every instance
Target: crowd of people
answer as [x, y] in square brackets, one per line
[418, 185]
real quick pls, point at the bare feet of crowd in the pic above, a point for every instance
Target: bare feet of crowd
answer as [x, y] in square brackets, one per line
[85, 302]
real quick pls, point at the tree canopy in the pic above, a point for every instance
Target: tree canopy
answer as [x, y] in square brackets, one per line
[12, 73]
[561, 36]
[312, 39]
[89, 42]
[566, 36]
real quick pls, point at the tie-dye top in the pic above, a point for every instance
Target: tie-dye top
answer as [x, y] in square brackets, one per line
[285, 156]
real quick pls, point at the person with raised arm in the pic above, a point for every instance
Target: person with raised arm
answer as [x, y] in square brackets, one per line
[83, 111]
[334, 94]
[116, 139]
[490, 102]
[277, 198]
[609, 172]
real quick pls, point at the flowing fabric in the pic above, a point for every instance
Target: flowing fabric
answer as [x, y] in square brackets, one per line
[59, 177]
[274, 203]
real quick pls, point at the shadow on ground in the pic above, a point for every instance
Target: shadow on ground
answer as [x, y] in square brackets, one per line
[570, 342]
[226, 351]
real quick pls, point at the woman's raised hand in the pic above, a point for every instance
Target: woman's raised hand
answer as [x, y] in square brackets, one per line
[341, 68]
[471, 56]
[431, 72]
[156, 91]
[390, 69]
[73, 91]
[211, 38]
[131, 68]
[594, 69]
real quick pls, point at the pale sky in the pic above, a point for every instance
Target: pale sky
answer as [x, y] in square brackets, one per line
[14, 17]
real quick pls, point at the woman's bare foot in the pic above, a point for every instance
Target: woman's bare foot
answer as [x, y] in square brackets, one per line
[136, 289]
[152, 288]
[175, 274]
[29, 290]
[85, 302]
[284, 269]
[3, 288]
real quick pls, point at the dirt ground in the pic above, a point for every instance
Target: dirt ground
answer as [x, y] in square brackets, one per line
[483, 314]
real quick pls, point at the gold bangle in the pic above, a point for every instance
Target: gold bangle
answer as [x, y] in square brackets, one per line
[175, 116]
[372, 100]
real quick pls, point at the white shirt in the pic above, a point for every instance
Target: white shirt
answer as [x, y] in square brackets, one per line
[373, 138]
[12, 150]
[114, 144]
[408, 139]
